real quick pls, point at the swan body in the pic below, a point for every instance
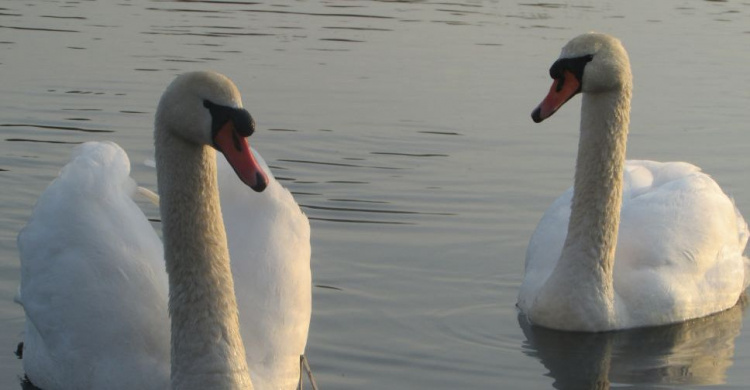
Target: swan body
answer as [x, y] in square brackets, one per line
[94, 286]
[632, 244]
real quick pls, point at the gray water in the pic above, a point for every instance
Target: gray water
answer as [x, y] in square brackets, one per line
[403, 130]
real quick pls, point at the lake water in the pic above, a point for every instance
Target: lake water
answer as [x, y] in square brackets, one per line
[403, 130]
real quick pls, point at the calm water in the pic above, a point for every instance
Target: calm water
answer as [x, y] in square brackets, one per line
[403, 130]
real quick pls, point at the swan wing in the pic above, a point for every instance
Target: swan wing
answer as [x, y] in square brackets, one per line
[269, 245]
[93, 284]
[545, 247]
[680, 245]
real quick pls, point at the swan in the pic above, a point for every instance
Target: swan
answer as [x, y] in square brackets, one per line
[94, 287]
[632, 244]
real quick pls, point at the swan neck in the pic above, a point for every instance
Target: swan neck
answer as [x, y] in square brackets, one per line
[207, 350]
[597, 194]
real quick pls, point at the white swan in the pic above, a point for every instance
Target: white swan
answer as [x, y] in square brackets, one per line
[678, 252]
[93, 281]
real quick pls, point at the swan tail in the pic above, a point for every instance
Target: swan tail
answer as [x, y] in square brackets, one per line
[741, 226]
[17, 298]
[743, 235]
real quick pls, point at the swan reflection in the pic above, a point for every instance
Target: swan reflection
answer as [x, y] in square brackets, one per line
[696, 352]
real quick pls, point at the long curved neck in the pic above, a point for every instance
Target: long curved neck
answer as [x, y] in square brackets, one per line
[597, 193]
[589, 252]
[207, 350]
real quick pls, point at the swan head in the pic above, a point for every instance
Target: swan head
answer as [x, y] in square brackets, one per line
[589, 63]
[205, 108]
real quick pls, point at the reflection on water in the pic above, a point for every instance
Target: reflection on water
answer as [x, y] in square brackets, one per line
[697, 352]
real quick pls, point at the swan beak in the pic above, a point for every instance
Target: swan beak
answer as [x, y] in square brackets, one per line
[562, 90]
[237, 152]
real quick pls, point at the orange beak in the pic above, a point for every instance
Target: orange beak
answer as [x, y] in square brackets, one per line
[237, 152]
[562, 90]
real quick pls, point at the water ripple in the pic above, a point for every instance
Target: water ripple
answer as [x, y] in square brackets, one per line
[347, 182]
[49, 127]
[279, 129]
[63, 17]
[340, 40]
[349, 209]
[328, 287]
[207, 34]
[358, 28]
[411, 154]
[42, 141]
[336, 164]
[439, 132]
[225, 2]
[344, 220]
[185, 10]
[319, 14]
[39, 29]
[544, 5]
[358, 201]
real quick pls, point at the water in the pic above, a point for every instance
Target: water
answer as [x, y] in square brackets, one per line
[403, 129]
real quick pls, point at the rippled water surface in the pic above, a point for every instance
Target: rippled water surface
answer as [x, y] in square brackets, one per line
[403, 130]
